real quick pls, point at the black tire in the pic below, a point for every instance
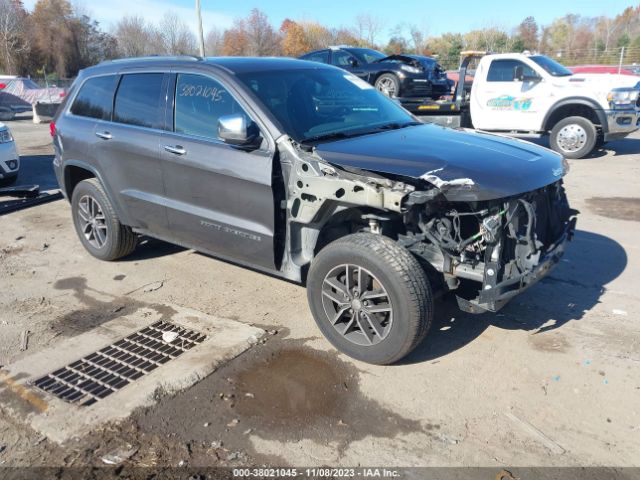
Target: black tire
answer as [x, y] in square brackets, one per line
[585, 133]
[7, 182]
[119, 241]
[391, 80]
[403, 281]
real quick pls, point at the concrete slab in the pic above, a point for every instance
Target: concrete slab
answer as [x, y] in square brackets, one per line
[60, 421]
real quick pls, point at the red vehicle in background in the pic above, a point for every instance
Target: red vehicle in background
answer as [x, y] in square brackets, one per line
[614, 69]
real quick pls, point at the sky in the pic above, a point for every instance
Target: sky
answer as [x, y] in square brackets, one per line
[433, 17]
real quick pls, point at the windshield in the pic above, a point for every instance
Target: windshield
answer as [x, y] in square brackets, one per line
[551, 66]
[315, 103]
[366, 55]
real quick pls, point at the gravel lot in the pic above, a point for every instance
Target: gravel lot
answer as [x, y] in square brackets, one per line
[551, 380]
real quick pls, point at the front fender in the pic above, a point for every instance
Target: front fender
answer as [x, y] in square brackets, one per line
[584, 101]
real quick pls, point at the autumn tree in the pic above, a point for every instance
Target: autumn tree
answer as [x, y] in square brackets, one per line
[527, 34]
[251, 36]
[52, 34]
[294, 40]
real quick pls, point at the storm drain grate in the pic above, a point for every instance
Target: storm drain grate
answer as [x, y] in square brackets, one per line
[102, 373]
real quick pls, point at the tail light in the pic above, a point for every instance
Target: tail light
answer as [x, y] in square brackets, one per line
[52, 129]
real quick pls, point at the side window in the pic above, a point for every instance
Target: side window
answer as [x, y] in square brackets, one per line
[321, 57]
[340, 58]
[505, 70]
[95, 98]
[200, 102]
[139, 100]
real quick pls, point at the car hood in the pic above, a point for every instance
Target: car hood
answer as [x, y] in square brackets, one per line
[600, 81]
[464, 165]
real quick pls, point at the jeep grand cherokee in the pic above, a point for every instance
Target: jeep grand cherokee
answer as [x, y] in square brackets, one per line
[306, 171]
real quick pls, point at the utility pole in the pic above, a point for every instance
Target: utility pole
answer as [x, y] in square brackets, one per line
[200, 32]
[621, 59]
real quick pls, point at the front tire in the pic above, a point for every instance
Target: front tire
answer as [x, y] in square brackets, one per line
[97, 224]
[370, 298]
[573, 137]
[388, 84]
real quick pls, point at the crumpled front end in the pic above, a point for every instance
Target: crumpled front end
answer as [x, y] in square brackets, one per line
[490, 251]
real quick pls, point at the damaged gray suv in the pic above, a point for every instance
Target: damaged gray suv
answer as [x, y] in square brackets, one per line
[304, 171]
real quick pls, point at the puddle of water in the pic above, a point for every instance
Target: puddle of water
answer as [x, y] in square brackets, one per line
[280, 391]
[620, 208]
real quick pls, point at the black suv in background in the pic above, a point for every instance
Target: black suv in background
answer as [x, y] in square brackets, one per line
[307, 172]
[396, 76]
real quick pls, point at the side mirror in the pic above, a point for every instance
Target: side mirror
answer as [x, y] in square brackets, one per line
[353, 62]
[236, 130]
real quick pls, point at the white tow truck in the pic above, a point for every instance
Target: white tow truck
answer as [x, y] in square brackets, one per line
[530, 96]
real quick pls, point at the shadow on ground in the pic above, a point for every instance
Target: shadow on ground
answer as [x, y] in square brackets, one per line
[572, 289]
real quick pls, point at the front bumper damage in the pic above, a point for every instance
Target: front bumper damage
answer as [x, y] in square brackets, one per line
[489, 252]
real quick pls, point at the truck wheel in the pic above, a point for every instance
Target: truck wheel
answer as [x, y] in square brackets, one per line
[370, 298]
[97, 224]
[574, 137]
[388, 84]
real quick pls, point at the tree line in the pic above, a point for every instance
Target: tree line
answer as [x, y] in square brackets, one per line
[61, 38]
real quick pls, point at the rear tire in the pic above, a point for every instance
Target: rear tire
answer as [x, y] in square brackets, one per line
[573, 137]
[370, 298]
[97, 224]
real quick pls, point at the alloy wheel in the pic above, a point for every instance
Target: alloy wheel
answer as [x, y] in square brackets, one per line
[92, 221]
[357, 304]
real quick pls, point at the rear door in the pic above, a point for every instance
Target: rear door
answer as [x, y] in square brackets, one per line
[219, 196]
[128, 149]
[502, 101]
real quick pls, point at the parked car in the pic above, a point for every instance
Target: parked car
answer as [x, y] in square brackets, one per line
[307, 172]
[533, 96]
[394, 75]
[19, 95]
[614, 69]
[9, 158]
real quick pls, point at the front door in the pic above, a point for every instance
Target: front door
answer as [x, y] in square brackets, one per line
[500, 100]
[219, 196]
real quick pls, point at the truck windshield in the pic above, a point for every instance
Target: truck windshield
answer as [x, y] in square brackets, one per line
[551, 66]
[316, 104]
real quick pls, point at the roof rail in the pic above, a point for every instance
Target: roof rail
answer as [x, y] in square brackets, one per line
[155, 57]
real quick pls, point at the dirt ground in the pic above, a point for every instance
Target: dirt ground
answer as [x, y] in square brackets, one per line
[550, 380]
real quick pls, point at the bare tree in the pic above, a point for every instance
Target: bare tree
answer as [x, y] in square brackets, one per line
[369, 27]
[12, 40]
[177, 38]
[214, 42]
[135, 38]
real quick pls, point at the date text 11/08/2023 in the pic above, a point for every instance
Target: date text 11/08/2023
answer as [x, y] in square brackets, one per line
[315, 473]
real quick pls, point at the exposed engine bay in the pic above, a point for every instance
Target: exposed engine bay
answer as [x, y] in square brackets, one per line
[486, 251]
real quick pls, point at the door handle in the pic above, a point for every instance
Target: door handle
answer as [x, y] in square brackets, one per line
[176, 150]
[104, 135]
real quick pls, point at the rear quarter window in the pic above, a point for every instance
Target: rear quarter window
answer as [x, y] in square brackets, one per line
[95, 98]
[139, 100]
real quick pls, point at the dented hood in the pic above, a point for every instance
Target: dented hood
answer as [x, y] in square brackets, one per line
[464, 165]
